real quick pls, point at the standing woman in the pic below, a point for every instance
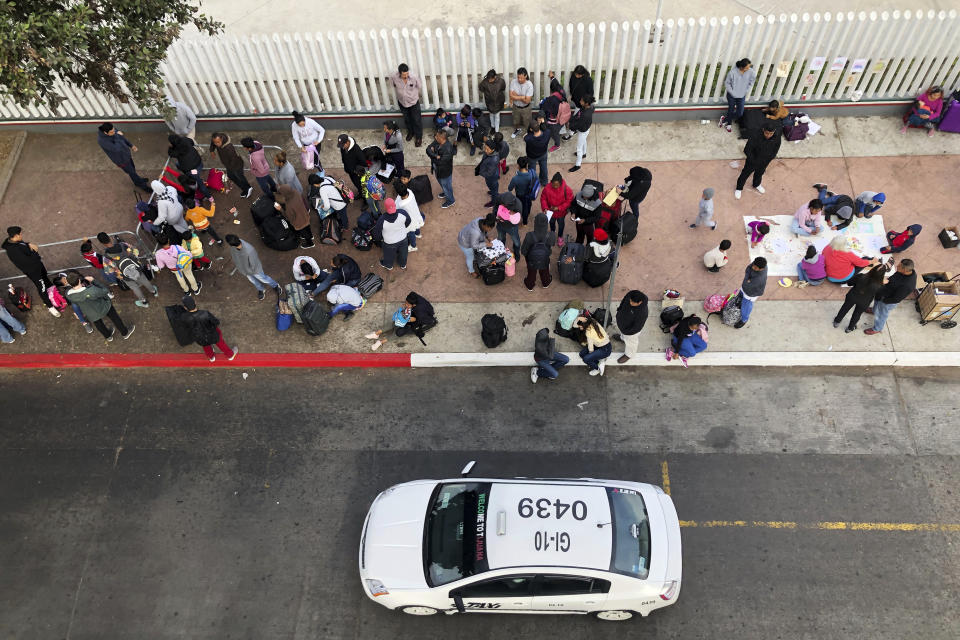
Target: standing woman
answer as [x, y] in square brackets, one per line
[259, 167]
[860, 297]
[551, 110]
[580, 123]
[220, 146]
[556, 197]
[294, 207]
[286, 174]
[308, 136]
[737, 83]
[393, 145]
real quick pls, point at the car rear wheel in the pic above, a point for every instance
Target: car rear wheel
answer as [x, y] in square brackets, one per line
[417, 610]
[614, 616]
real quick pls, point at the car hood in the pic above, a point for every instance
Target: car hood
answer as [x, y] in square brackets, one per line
[393, 541]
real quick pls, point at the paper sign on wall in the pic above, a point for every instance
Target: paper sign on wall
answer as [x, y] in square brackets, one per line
[878, 66]
[817, 63]
[859, 64]
[783, 69]
[852, 79]
[809, 80]
[838, 64]
[833, 75]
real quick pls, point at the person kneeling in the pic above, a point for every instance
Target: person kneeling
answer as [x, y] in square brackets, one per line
[414, 316]
[345, 300]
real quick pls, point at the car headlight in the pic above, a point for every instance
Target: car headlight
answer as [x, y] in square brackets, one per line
[669, 590]
[376, 588]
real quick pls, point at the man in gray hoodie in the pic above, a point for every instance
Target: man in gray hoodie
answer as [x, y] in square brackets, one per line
[182, 121]
[753, 285]
[737, 83]
[247, 262]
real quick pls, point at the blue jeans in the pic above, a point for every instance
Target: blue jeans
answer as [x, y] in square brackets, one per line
[468, 254]
[881, 310]
[77, 312]
[267, 185]
[201, 185]
[263, 278]
[550, 369]
[803, 231]
[540, 162]
[138, 181]
[802, 276]
[9, 321]
[493, 186]
[343, 307]
[866, 209]
[396, 252]
[591, 358]
[734, 109]
[412, 239]
[827, 200]
[446, 188]
[514, 232]
[746, 308]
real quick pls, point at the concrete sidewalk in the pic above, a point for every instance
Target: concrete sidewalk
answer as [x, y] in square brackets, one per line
[852, 154]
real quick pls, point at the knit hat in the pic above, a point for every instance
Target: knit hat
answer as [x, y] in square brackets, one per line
[845, 212]
[389, 205]
[708, 193]
[600, 235]
[588, 191]
[880, 197]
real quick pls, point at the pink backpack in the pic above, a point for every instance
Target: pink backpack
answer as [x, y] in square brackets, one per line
[215, 180]
[56, 299]
[714, 303]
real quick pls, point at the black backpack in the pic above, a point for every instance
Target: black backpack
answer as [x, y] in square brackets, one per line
[315, 318]
[539, 254]
[626, 225]
[369, 285]
[670, 316]
[493, 330]
[421, 188]
[277, 234]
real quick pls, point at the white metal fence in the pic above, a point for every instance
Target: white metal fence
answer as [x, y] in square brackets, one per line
[821, 57]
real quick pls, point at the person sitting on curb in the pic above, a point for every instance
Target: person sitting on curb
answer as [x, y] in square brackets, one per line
[901, 240]
[549, 360]
[716, 258]
[205, 328]
[598, 348]
[687, 340]
[811, 270]
[415, 316]
[345, 300]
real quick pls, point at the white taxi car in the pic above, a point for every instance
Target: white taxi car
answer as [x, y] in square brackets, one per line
[603, 547]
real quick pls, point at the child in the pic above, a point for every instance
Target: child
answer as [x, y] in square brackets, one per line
[199, 217]
[465, 127]
[393, 145]
[96, 261]
[901, 240]
[758, 229]
[192, 243]
[443, 120]
[717, 257]
[503, 150]
[705, 216]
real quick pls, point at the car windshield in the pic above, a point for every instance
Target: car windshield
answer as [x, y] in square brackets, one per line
[455, 545]
[631, 533]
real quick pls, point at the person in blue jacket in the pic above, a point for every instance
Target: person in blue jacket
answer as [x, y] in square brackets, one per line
[686, 341]
[119, 149]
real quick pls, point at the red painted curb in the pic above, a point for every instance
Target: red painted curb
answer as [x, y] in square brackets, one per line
[198, 360]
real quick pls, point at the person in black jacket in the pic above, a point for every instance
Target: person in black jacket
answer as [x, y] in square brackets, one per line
[118, 149]
[489, 170]
[581, 84]
[580, 123]
[418, 315]
[635, 188]
[25, 256]
[536, 248]
[549, 360]
[440, 152]
[761, 149]
[352, 156]
[631, 316]
[205, 328]
[188, 161]
[865, 288]
[221, 147]
[585, 211]
[900, 285]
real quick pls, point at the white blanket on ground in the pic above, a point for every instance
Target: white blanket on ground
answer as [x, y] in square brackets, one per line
[783, 250]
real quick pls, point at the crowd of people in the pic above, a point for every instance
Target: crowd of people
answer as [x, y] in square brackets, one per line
[184, 207]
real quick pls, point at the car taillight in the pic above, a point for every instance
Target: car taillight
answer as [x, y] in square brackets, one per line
[376, 588]
[669, 590]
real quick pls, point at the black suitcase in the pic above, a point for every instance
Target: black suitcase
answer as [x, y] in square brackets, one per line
[262, 209]
[493, 273]
[596, 274]
[176, 315]
[277, 234]
[421, 188]
[570, 262]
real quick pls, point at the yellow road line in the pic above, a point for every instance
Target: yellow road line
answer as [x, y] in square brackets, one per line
[823, 526]
[665, 473]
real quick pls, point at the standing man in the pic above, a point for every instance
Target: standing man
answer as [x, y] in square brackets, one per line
[761, 149]
[631, 316]
[354, 162]
[580, 124]
[205, 328]
[119, 149]
[123, 262]
[25, 256]
[737, 83]
[440, 152]
[182, 120]
[489, 170]
[247, 262]
[898, 287]
[407, 87]
[492, 89]
[753, 285]
[94, 302]
[521, 93]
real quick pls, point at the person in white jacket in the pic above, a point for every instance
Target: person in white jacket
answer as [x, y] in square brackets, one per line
[169, 209]
[345, 300]
[308, 136]
[407, 202]
[392, 228]
[326, 199]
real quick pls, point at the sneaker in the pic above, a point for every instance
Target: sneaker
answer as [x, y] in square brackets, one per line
[547, 286]
[447, 204]
[236, 350]
[488, 204]
[443, 196]
[261, 294]
[850, 329]
[869, 310]
[871, 331]
[129, 332]
[904, 130]
[212, 358]
[929, 133]
[594, 372]
[87, 327]
[473, 151]
[573, 168]
[110, 337]
[347, 315]
[729, 130]
[603, 366]
[248, 193]
[142, 303]
[403, 268]
[419, 235]
[623, 359]
[553, 148]
[515, 133]
[737, 194]
[372, 336]
[669, 354]
[820, 186]
[533, 375]
[199, 286]
[693, 226]
[760, 188]
[566, 136]
[308, 246]
[376, 345]
[723, 121]
[409, 249]
[683, 361]
[211, 242]
[801, 284]
[836, 324]
[156, 292]
[845, 286]
[380, 262]
[529, 289]
[54, 312]
[739, 325]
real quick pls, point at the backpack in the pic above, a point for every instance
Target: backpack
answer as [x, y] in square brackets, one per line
[493, 330]
[375, 187]
[184, 258]
[421, 188]
[215, 180]
[538, 253]
[362, 239]
[128, 267]
[330, 231]
[714, 303]
[57, 300]
[261, 209]
[596, 274]
[315, 318]
[277, 234]
[366, 221]
[203, 331]
[284, 315]
[670, 316]
[369, 285]
[731, 310]
[534, 189]
[564, 113]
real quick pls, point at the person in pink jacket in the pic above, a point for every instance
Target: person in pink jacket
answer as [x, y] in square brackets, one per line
[812, 270]
[259, 166]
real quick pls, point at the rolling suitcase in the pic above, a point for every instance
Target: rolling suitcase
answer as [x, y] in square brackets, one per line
[176, 315]
[570, 262]
[951, 118]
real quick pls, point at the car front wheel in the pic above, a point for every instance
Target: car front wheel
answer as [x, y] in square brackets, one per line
[613, 616]
[419, 611]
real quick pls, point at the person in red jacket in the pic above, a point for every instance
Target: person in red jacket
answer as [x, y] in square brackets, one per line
[557, 197]
[840, 263]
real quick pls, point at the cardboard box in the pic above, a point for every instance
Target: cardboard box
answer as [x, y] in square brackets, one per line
[939, 298]
[946, 240]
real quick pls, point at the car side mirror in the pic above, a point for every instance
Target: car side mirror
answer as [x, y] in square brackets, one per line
[468, 468]
[458, 602]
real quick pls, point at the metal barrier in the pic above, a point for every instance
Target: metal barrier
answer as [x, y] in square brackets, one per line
[131, 237]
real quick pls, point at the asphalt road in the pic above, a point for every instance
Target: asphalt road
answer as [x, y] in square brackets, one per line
[192, 504]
